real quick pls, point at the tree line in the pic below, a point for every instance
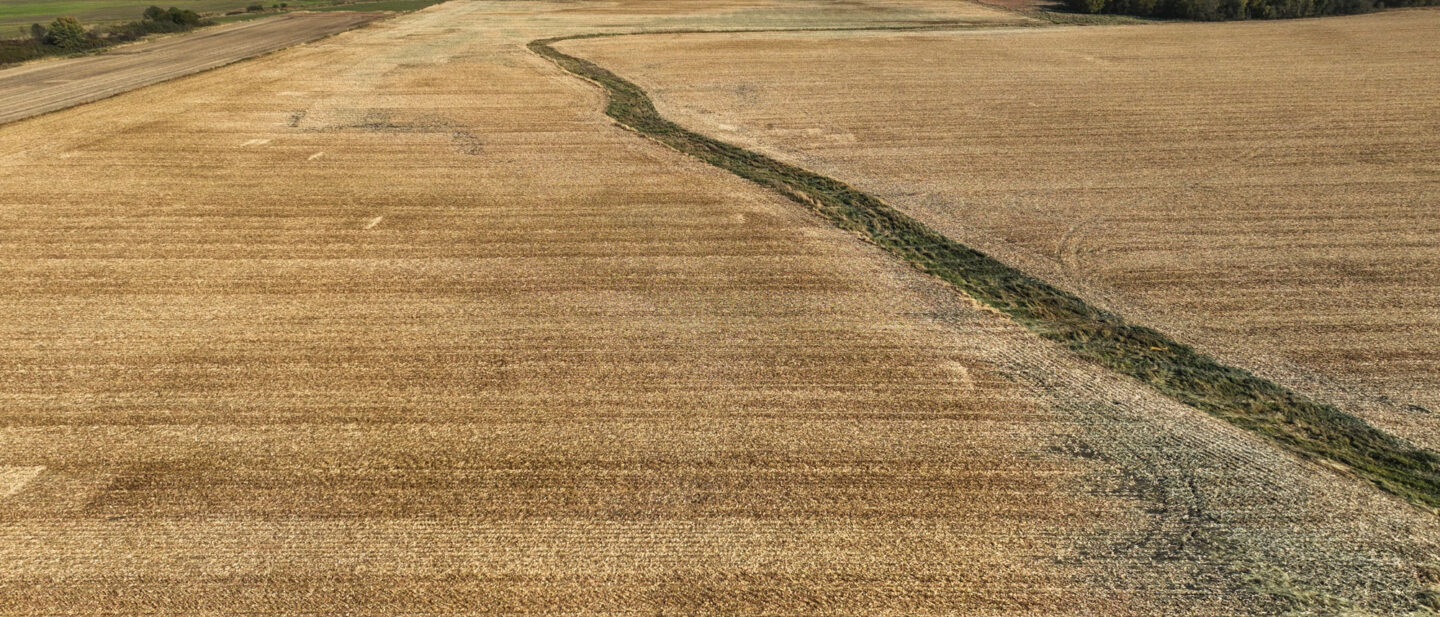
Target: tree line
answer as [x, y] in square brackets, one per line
[67, 32]
[1215, 10]
[67, 35]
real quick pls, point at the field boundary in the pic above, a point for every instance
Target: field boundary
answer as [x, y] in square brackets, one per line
[1308, 428]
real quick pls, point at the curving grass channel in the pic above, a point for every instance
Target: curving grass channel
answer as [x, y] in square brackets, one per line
[1297, 423]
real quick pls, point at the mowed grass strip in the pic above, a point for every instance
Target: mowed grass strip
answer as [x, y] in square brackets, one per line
[1299, 424]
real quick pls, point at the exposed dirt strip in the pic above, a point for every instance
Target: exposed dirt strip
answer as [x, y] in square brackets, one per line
[1299, 424]
[49, 85]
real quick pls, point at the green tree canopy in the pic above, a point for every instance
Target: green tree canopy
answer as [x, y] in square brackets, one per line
[67, 33]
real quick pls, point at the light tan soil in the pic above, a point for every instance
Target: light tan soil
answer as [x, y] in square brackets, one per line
[398, 323]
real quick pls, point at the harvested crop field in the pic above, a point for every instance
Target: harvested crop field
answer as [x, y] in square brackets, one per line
[400, 323]
[45, 86]
[1266, 191]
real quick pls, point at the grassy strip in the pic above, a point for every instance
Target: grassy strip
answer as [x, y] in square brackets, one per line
[394, 6]
[1306, 427]
[398, 6]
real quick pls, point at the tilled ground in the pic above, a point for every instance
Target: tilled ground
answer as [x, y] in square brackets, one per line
[1264, 190]
[45, 86]
[399, 323]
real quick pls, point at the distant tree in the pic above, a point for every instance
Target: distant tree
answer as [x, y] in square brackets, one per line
[1086, 6]
[1204, 10]
[67, 33]
[39, 33]
[155, 13]
[255, 8]
[1207, 10]
[184, 17]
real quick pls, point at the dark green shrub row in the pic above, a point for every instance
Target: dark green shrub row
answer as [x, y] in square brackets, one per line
[156, 21]
[20, 51]
[1214, 10]
[67, 35]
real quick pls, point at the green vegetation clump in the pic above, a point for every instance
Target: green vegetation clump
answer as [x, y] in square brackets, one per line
[1214, 10]
[399, 6]
[64, 35]
[158, 17]
[67, 34]
[156, 20]
[1306, 427]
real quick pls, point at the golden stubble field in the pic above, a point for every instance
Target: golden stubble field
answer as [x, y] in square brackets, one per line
[399, 323]
[1267, 191]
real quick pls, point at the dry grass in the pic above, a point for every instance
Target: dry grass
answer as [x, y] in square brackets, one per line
[399, 322]
[1264, 191]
